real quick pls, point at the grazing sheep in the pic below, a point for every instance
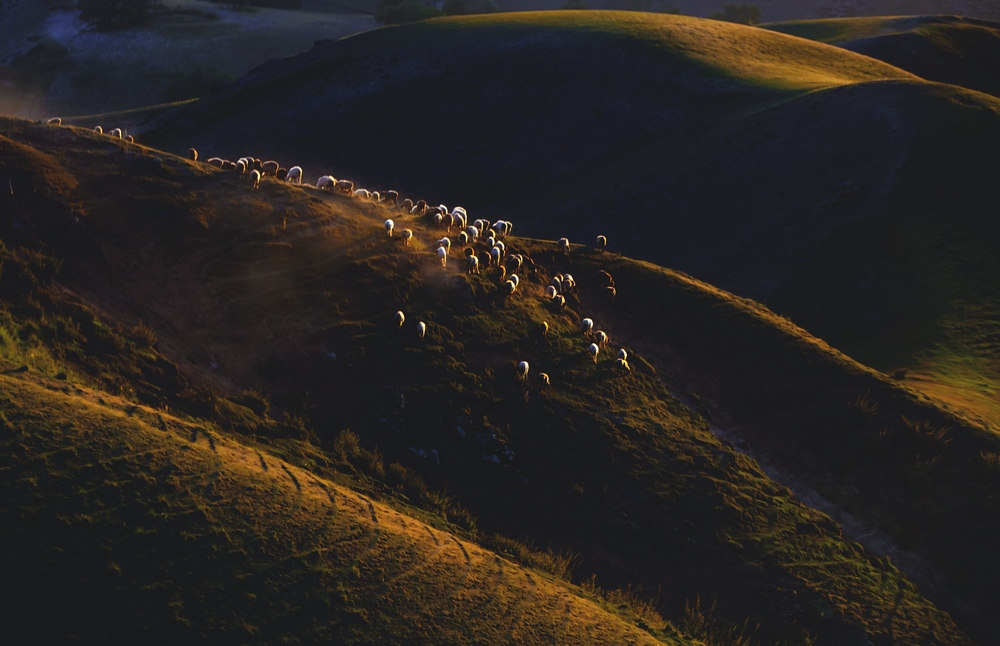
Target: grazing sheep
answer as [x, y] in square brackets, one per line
[494, 257]
[604, 279]
[515, 279]
[502, 247]
[344, 187]
[420, 208]
[623, 367]
[622, 353]
[54, 121]
[326, 183]
[241, 167]
[469, 251]
[443, 257]
[421, 329]
[389, 224]
[522, 370]
[228, 165]
[255, 177]
[602, 243]
[473, 233]
[192, 153]
[362, 194]
[130, 139]
[390, 197]
[602, 338]
[543, 329]
[544, 380]
[407, 205]
[588, 326]
[594, 351]
[269, 168]
[438, 220]
[514, 262]
[472, 266]
[463, 238]
[376, 196]
[610, 293]
[449, 221]
[99, 130]
[557, 282]
[502, 275]
[446, 243]
[510, 287]
[215, 161]
[560, 302]
[294, 175]
[550, 292]
[256, 164]
[563, 244]
[406, 234]
[491, 242]
[399, 319]
[569, 284]
[117, 132]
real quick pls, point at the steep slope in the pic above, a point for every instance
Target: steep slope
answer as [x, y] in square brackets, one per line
[293, 291]
[946, 49]
[121, 522]
[839, 191]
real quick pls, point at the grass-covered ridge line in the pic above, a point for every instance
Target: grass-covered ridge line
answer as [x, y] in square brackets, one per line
[645, 496]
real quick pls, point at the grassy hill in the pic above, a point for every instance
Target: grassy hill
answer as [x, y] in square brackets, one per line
[621, 473]
[946, 49]
[842, 192]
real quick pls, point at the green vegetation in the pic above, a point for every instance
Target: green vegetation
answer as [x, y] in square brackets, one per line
[742, 14]
[624, 486]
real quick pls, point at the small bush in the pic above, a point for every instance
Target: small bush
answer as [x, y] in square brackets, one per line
[346, 446]
[144, 336]
[255, 401]
[640, 606]
[560, 565]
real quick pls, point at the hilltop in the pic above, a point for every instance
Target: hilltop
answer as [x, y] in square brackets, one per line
[840, 191]
[946, 49]
[266, 320]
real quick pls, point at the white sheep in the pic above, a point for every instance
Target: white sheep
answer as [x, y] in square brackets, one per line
[344, 187]
[602, 243]
[445, 243]
[473, 264]
[376, 196]
[389, 224]
[443, 257]
[294, 175]
[215, 161]
[514, 279]
[241, 167]
[406, 234]
[421, 329]
[438, 220]
[622, 365]
[326, 183]
[99, 130]
[54, 121]
[588, 326]
[362, 193]
[130, 139]
[473, 233]
[543, 378]
[557, 282]
[602, 338]
[494, 257]
[463, 238]
[563, 244]
[560, 302]
[399, 319]
[543, 329]
[117, 132]
[269, 168]
[569, 283]
[594, 351]
[550, 292]
[522, 370]
[622, 354]
[192, 153]
[491, 242]
[510, 287]
[255, 177]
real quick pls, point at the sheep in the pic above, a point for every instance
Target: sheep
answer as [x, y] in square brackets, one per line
[192, 153]
[569, 284]
[463, 238]
[563, 244]
[622, 354]
[543, 329]
[602, 242]
[376, 197]
[502, 247]
[604, 279]
[420, 208]
[515, 279]
[449, 221]
[256, 164]
[491, 242]
[594, 351]
[344, 187]
[438, 220]
[421, 329]
[228, 165]
[560, 302]
[390, 197]
[389, 224]
[473, 233]
[502, 275]
[99, 130]
[446, 243]
[443, 257]
[469, 251]
[406, 205]
[522, 370]
[255, 177]
[130, 139]
[510, 287]
[610, 293]
[602, 338]
[406, 234]
[557, 282]
[269, 168]
[399, 319]
[494, 257]
[501, 228]
[544, 380]
[281, 174]
[117, 132]
[514, 262]
[587, 325]
[215, 161]
[294, 175]
[623, 367]
[362, 194]
[473, 264]
[550, 292]
[241, 167]
[326, 183]
[54, 121]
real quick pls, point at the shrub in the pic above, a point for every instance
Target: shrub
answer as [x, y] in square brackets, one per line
[743, 14]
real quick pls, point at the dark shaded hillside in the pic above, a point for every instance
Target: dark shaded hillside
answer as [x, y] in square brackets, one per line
[783, 170]
[259, 289]
[946, 49]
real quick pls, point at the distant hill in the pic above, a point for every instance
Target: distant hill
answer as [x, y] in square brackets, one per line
[946, 49]
[181, 289]
[841, 191]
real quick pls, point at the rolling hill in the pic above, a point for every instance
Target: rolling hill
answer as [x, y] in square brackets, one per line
[264, 321]
[840, 191]
[946, 49]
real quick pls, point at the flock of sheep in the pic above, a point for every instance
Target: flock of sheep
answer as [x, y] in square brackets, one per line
[118, 133]
[490, 237]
